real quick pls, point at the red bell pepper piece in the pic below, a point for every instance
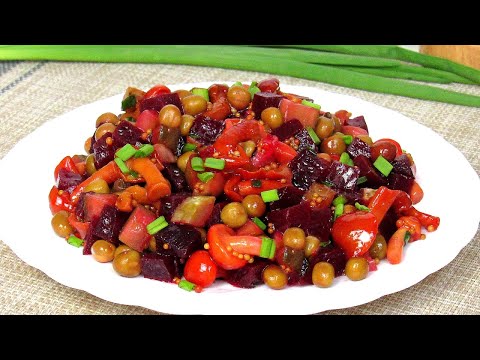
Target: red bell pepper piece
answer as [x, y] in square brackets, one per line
[381, 201]
[231, 188]
[59, 200]
[246, 188]
[66, 163]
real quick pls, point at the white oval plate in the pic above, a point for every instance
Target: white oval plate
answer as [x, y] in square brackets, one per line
[27, 177]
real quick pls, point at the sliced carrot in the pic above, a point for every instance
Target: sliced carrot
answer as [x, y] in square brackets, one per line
[416, 193]
[395, 246]
[124, 202]
[157, 186]
[139, 193]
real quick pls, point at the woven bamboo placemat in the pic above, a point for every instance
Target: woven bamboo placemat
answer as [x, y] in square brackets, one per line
[33, 92]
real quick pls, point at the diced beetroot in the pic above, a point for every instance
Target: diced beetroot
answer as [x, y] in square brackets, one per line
[388, 225]
[161, 266]
[158, 102]
[80, 207]
[170, 203]
[263, 100]
[215, 216]
[68, 180]
[358, 121]
[306, 141]
[127, 133]
[147, 119]
[180, 144]
[206, 130]
[176, 177]
[342, 176]
[103, 153]
[295, 277]
[108, 225]
[287, 196]
[88, 241]
[306, 168]
[248, 276]
[182, 239]
[134, 232]
[358, 147]
[401, 165]
[288, 129]
[331, 254]
[374, 179]
[194, 210]
[319, 224]
[307, 115]
[94, 204]
[400, 182]
[290, 258]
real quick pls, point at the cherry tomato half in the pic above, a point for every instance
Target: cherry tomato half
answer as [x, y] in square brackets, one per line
[200, 269]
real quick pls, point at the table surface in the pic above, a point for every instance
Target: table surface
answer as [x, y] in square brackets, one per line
[32, 93]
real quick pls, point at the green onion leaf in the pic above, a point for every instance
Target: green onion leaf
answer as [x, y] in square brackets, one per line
[130, 119]
[213, 163]
[361, 207]
[345, 159]
[325, 243]
[197, 164]
[202, 92]
[406, 239]
[205, 176]
[186, 285]
[311, 104]
[188, 147]
[129, 102]
[253, 89]
[122, 166]
[144, 151]
[256, 183]
[338, 211]
[259, 223]
[238, 83]
[157, 225]
[75, 241]
[313, 135]
[383, 165]
[361, 180]
[273, 248]
[125, 152]
[327, 183]
[269, 195]
[347, 139]
[267, 249]
[340, 199]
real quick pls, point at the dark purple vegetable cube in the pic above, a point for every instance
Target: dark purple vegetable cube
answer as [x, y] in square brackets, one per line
[263, 100]
[161, 266]
[103, 153]
[176, 177]
[68, 180]
[374, 178]
[306, 168]
[170, 203]
[342, 176]
[80, 207]
[287, 196]
[389, 224]
[306, 141]
[183, 239]
[288, 129]
[296, 277]
[401, 165]
[206, 130]
[358, 121]
[358, 147]
[331, 254]
[90, 238]
[127, 133]
[158, 102]
[247, 276]
[108, 225]
[215, 215]
[400, 182]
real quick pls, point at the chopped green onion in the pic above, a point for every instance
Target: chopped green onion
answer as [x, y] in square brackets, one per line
[197, 164]
[259, 223]
[338, 211]
[361, 207]
[361, 180]
[327, 183]
[383, 165]
[205, 176]
[340, 199]
[157, 225]
[267, 249]
[129, 102]
[313, 135]
[186, 285]
[347, 139]
[202, 92]
[253, 89]
[213, 163]
[188, 147]
[256, 183]
[311, 104]
[122, 166]
[325, 243]
[238, 83]
[269, 195]
[406, 239]
[125, 152]
[144, 151]
[345, 159]
[134, 174]
[75, 241]
[130, 119]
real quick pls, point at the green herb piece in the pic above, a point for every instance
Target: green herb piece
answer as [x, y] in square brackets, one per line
[144, 151]
[338, 211]
[125, 152]
[213, 163]
[197, 164]
[238, 83]
[313, 135]
[325, 243]
[327, 183]
[383, 165]
[259, 223]
[345, 159]
[311, 104]
[188, 147]
[205, 176]
[256, 183]
[157, 225]
[202, 92]
[407, 237]
[361, 207]
[121, 165]
[269, 195]
[186, 285]
[340, 199]
[253, 89]
[75, 241]
[347, 139]
[361, 180]
[267, 249]
[129, 102]
[130, 119]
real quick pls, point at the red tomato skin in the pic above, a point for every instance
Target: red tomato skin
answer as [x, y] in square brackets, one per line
[157, 90]
[200, 269]
[355, 232]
